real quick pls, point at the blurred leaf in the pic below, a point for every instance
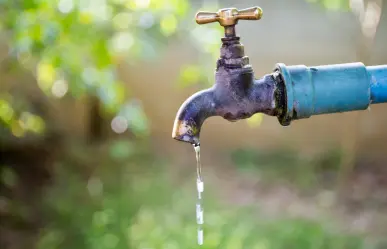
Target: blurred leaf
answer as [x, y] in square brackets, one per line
[32, 122]
[9, 178]
[6, 111]
[137, 120]
[46, 74]
[190, 75]
[36, 32]
[122, 42]
[181, 6]
[333, 4]
[16, 129]
[168, 25]
[138, 4]
[122, 21]
[122, 149]
[85, 17]
[101, 54]
[110, 240]
[255, 120]
[113, 95]
[50, 239]
[71, 38]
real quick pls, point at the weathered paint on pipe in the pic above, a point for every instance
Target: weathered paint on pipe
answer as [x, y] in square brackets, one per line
[330, 89]
[378, 76]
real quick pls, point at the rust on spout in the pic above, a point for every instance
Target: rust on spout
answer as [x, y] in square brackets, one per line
[191, 115]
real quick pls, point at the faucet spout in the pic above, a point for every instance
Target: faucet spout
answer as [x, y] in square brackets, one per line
[236, 95]
[191, 115]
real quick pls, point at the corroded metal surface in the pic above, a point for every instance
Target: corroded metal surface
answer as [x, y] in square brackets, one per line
[191, 116]
[235, 95]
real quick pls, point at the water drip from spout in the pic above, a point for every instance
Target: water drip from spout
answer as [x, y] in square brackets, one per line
[200, 189]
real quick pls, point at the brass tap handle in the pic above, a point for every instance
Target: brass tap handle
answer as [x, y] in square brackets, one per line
[229, 17]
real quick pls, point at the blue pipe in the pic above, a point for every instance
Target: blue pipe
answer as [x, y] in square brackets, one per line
[330, 89]
[378, 76]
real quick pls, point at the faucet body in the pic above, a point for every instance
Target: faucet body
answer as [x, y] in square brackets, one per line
[290, 92]
[235, 95]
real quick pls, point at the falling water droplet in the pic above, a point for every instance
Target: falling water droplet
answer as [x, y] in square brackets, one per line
[200, 189]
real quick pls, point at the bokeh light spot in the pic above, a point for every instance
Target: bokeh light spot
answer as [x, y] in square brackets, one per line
[168, 25]
[85, 17]
[16, 129]
[6, 111]
[95, 186]
[122, 21]
[146, 20]
[45, 75]
[263, 244]
[122, 42]
[59, 88]
[332, 4]
[31, 122]
[110, 240]
[24, 57]
[119, 124]
[9, 178]
[138, 4]
[190, 75]
[66, 6]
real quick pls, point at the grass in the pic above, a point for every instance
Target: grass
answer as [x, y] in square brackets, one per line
[135, 205]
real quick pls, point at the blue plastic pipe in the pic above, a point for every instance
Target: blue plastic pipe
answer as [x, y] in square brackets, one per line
[378, 76]
[331, 89]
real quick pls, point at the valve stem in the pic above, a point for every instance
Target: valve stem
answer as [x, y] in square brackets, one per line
[229, 31]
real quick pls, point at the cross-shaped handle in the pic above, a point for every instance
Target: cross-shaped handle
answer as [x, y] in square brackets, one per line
[229, 17]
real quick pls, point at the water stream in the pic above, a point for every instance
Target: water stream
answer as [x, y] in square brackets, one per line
[200, 189]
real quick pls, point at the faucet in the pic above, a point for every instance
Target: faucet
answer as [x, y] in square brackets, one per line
[289, 92]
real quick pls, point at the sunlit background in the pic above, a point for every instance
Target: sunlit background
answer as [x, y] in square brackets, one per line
[89, 90]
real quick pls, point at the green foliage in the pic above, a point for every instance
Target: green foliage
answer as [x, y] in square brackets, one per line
[137, 206]
[136, 118]
[207, 39]
[122, 150]
[75, 46]
[8, 177]
[18, 117]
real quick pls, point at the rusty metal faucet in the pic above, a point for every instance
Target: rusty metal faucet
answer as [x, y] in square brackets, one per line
[290, 92]
[235, 94]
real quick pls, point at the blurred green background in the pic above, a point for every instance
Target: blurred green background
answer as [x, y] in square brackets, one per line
[88, 94]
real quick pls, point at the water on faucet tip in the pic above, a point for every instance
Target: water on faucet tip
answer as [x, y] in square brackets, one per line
[200, 189]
